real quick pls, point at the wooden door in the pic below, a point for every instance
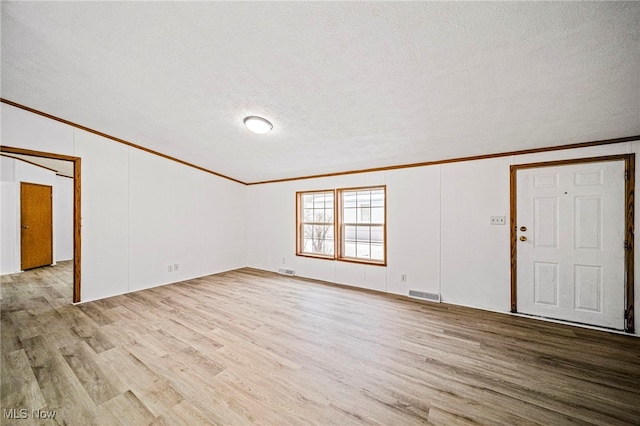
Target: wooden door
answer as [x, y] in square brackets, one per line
[571, 243]
[36, 229]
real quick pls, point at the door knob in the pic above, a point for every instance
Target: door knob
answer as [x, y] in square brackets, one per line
[523, 228]
[523, 238]
[25, 226]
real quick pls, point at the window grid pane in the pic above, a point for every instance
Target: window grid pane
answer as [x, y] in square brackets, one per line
[349, 199]
[307, 201]
[377, 215]
[377, 198]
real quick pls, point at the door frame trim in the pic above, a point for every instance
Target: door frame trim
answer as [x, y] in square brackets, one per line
[629, 183]
[77, 217]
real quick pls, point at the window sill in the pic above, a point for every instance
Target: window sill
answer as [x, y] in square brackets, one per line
[362, 261]
[344, 259]
[316, 256]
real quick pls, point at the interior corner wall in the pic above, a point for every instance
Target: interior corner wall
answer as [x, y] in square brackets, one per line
[181, 216]
[140, 212]
[438, 229]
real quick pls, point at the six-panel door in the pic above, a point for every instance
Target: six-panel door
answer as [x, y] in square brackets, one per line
[570, 242]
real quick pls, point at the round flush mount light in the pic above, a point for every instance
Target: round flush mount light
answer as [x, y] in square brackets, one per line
[258, 124]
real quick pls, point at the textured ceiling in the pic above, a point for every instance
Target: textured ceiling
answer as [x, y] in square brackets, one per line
[347, 86]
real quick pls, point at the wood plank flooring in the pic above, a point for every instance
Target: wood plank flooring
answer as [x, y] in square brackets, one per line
[250, 346]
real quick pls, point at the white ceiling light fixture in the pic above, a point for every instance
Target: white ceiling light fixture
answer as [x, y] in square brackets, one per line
[258, 124]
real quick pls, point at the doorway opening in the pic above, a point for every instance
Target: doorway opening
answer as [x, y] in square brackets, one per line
[76, 208]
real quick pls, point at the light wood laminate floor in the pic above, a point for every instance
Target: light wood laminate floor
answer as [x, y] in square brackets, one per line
[249, 346]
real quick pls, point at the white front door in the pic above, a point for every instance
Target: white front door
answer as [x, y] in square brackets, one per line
[570, 242]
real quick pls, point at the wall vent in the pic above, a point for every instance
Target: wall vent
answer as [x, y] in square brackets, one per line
[431, 297]
[284, 271]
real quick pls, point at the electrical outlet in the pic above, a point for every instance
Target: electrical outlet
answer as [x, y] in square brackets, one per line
[403, 278]
[176, 266]
[284, 261]
[498, 220]
[170, 268]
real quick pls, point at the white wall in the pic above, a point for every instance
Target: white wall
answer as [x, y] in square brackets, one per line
[9, 223]
[180, 215]
[63, 218]
[7, 169]
[475, 257]
[9, 256]
[105, 215]
[140, 212]
[437, 228]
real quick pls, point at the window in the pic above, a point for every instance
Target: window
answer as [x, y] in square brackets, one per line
[362, 224]
[316, 223]
[357, 216]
